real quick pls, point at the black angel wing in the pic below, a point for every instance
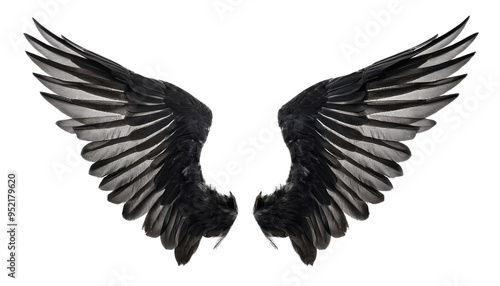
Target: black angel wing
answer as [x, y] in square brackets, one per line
[344, 139]
[146, 138]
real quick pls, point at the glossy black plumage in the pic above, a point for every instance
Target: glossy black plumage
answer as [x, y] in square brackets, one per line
[344, 139]
[146, 138]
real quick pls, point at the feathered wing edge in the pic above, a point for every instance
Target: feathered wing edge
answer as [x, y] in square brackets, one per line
[145, 143]
[344, 139]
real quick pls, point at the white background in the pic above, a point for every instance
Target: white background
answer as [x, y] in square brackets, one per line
[439, 226]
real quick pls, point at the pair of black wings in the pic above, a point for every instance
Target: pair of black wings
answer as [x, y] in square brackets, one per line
[343, 134]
